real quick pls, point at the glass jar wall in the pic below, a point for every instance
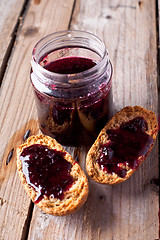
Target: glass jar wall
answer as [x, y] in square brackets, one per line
[71, 76]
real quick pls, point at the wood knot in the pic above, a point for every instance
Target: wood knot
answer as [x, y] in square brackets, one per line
[155, 185]
[30, 31]
[37, 2]
[155, 181]
[102, 197]
[9, 156]
[2, 201]
[140, 3]
[108, 17]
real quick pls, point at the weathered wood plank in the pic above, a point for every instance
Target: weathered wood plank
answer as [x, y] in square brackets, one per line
[129, 31]
[17, 110]
[158, 20]
[127, 211]
[130, 210]
[8, 21]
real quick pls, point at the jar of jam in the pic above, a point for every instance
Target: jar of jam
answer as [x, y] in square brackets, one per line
[71, 76]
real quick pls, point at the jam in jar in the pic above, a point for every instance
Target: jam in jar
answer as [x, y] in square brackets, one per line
[71, 76]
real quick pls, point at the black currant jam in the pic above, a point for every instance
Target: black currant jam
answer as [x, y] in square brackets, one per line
[124, 147]
[69, 65]
[46, 171]
[72, 85]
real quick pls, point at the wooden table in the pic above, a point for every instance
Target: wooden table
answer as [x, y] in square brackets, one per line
[128, 211]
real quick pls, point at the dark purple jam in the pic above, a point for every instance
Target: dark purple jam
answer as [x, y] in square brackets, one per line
[79, 120]
[70, 65]
[61, 114]
[125, 145]
[46, 171]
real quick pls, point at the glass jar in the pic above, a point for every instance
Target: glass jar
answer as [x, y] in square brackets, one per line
[71, 76]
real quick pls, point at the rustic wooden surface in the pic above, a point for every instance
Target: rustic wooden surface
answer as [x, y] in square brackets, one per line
[10, 16]
[127, 211]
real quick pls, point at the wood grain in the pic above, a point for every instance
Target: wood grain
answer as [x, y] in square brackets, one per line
[158, 36]
[129, 30]
[130, 210]
[127, 211]
[9, 17]
[18, 113]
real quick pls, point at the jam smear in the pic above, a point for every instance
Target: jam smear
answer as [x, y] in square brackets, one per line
[46, 171]
[70, 65]
[124, 147]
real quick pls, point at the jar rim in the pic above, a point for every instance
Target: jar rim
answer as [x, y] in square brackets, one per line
[69, 79]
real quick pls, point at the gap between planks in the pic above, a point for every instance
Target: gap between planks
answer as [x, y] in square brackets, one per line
[26, 226]
[76, 152]
[13, 39]
[158, 64]
[70, 21]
